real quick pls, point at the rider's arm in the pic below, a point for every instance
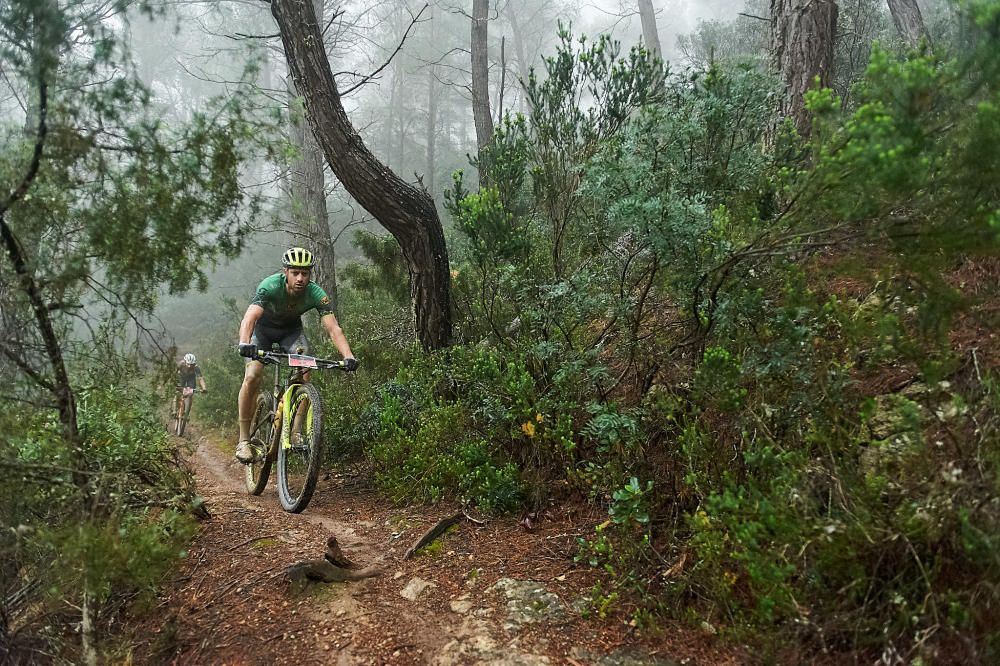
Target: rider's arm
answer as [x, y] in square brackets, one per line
[253, 313]
[324, 306]
[329, 321]
[201, 380]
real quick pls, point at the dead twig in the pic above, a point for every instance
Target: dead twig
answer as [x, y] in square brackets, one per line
[474, 521]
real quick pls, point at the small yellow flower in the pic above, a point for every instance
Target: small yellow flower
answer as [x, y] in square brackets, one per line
[528, 429]
[539, 418]
[730, 577]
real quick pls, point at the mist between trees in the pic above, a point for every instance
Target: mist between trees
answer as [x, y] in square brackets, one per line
[742, 297]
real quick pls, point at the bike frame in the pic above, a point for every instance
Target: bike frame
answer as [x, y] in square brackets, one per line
[184, 396]
[183, 399]
[299, 461]
[281, 392]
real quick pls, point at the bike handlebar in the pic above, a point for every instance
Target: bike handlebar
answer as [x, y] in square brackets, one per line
[305, 362]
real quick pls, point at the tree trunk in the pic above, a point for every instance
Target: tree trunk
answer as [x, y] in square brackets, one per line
[88, 633]
[432, 121]
[650, 35]
[432, 117]
[802, 36]
[310, 218]
[405, 211]
[523, 66]
[481, 87]
[909, 22]
[60, 387]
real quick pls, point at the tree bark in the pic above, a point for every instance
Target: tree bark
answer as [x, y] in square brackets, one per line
[481, 87]
[406, 212]
[909, 22]
[802, 37]
[650, 35]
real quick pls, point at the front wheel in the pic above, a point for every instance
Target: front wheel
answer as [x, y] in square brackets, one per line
[258, 472]
[300, 455]
[182, 415]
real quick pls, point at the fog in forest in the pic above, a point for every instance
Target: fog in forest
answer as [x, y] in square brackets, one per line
[674, 323]
[390, 58]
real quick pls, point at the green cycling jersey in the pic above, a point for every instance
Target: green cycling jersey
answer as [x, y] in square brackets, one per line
[281, 310]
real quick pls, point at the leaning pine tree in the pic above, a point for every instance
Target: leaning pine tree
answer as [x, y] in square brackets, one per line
[407, 212]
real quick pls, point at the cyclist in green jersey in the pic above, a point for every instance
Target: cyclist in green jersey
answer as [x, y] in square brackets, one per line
[274, 316]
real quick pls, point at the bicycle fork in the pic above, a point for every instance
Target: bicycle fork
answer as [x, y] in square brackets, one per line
[287, 409]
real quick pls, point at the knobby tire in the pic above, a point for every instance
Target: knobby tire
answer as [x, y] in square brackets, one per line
[298, 470]
[257, 473]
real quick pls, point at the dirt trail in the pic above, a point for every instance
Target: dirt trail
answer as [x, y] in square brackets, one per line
[492, 594]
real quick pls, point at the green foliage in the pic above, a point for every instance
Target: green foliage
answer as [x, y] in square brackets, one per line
[222, 370]
[774, 330]
[123, 203]
[386, 271]
[114, 537]
[718, 380]
[436, 456]
[492, 233]
[620, 547]
[106, 205]
[630, 504]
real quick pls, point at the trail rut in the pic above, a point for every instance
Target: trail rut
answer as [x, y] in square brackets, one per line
[229, 603]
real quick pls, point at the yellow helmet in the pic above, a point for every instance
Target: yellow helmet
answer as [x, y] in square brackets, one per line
[297, 257]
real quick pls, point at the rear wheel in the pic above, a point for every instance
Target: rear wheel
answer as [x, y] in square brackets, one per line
[258, 472]
[300, 456]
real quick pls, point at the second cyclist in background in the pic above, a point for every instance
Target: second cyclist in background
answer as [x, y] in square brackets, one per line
[275, 316]
[188, 378]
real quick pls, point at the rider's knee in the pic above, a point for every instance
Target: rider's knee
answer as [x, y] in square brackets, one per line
[253, 374]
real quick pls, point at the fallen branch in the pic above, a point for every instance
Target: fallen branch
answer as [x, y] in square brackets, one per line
[335, 556]
[335, 567]
[326, 572]
[433, 533]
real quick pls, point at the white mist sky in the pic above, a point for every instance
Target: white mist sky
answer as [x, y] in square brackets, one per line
[673, 18]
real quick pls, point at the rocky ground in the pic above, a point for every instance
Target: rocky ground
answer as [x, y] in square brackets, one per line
[489, 593]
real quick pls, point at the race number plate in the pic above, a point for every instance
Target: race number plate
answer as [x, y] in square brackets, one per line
[300, 361]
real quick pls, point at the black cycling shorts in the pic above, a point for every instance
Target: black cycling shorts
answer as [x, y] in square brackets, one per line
[291, 341]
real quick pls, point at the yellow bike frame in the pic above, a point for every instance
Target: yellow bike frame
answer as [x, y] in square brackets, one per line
[286, 409]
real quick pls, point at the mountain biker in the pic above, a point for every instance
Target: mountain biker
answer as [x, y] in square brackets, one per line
[188, 374]
[274, 316]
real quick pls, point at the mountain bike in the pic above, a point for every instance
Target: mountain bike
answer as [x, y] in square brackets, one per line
[287, 428]
[182, 408]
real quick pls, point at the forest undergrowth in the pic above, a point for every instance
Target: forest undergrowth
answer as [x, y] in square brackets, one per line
[774, 367]
[770, 358]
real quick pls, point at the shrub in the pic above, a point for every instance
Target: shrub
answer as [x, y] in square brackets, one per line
[110, 538]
